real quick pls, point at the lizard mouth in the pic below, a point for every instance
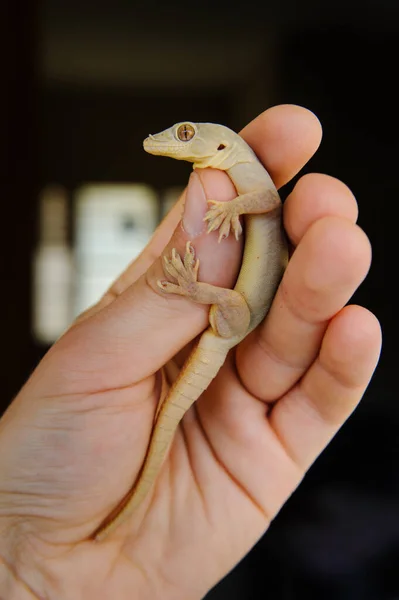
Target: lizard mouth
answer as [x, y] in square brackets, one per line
[154, 146]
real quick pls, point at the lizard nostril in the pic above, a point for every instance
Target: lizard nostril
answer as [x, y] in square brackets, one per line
[221, 147]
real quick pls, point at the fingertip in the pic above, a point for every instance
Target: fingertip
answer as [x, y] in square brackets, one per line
[326, 268]
[284, 137]
[352, 345]
[361, 326]
[317, 195]
[307, 126]
[340, 249]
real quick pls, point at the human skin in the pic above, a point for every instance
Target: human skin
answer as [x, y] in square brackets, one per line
[73, 440]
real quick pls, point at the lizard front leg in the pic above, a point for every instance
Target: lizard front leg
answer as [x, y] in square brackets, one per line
[226, 215]
[229, 314]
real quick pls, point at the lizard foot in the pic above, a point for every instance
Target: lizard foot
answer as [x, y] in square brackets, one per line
[223, 216]
[184, 271]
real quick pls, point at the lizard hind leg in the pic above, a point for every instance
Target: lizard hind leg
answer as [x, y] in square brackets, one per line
[231, 316]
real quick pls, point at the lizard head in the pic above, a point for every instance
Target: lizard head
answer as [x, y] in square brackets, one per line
[205, 144]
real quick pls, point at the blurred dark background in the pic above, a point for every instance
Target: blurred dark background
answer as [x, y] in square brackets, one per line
[82, 83]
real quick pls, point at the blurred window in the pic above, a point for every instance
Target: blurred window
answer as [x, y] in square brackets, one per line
[52, 268]
[113, 223]
[169, 198]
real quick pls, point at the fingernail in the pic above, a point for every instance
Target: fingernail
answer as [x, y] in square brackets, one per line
[195, 207]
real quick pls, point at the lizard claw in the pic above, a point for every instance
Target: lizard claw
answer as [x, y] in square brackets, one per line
[215, 223]
[236, 226]
[184, 271]
[189, 259]
[225, 217]
[168, 287]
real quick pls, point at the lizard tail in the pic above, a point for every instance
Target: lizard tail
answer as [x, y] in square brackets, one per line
[208, 358]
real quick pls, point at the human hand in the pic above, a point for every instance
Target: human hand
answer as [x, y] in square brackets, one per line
[73, 441]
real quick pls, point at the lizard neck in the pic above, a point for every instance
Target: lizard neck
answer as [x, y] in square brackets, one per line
[247, 178]
[226, 159]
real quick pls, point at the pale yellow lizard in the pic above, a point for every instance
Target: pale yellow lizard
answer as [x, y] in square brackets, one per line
[233, 313]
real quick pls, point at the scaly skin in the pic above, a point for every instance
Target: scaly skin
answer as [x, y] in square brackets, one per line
[233, 313]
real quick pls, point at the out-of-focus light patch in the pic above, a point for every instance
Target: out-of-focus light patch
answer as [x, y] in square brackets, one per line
[169, 198]
[52, 268]
[113, 223]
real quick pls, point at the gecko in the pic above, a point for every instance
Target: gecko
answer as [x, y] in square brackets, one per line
[233, 313]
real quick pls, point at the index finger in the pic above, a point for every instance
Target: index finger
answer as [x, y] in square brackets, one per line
[284, 138]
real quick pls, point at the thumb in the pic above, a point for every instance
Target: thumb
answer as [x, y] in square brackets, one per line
[142, 328]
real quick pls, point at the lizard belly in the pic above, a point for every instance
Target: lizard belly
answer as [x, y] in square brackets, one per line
[264, 261]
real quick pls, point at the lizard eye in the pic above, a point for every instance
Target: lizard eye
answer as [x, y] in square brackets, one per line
[185, 132]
